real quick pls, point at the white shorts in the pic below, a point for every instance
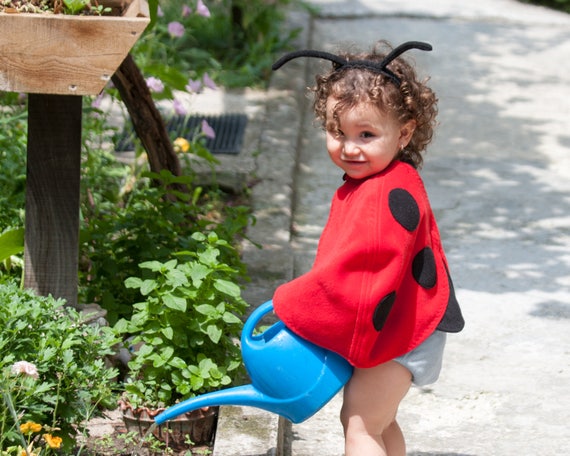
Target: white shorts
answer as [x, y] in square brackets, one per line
[424, 361]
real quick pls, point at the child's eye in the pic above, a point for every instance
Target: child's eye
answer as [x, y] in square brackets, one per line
[367, 134]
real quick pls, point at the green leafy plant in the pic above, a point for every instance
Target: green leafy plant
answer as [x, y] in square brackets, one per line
[151, 221]
[99, 10]
[235, 44]
[75, 6]
[70, 381]
[185, 332]
[13, 140]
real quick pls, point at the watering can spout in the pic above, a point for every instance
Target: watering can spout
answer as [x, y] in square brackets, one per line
[290, 376]
[240, 395]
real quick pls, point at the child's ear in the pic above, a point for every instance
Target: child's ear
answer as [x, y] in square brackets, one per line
[406, 132]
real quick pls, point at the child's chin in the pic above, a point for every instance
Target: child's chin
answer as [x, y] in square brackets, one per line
[356, 175]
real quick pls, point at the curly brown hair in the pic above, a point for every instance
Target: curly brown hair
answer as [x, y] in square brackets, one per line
[412, 100]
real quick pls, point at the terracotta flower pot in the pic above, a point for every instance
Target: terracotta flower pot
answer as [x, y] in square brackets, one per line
[199, 426]
[65, 54]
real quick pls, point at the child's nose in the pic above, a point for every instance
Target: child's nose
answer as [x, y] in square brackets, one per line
[351, 148]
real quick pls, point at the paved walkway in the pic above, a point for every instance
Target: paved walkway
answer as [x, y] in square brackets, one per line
[498, 175]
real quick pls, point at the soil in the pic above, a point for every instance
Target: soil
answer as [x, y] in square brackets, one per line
[108, 436]
[57, 7]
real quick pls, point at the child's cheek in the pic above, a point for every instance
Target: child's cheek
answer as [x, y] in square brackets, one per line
[333, 144]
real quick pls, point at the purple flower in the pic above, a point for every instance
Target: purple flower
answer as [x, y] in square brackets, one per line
[208, 82]
[178, 107]
[175, 29]
[155, 84]
[193, 86]
[202, 9]
[96, 103]
[159, 12]
[186, 10]
[207, 130]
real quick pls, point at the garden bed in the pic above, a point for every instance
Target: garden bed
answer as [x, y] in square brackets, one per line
[109, 437]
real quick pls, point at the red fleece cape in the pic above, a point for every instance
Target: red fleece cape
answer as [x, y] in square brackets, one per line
[379, 285]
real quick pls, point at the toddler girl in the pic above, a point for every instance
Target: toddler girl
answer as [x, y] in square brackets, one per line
[379, 292]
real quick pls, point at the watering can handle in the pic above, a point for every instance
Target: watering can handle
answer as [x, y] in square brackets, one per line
[255, 317]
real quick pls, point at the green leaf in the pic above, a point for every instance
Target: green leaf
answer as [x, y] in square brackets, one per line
[75, 6]
[69, 342]
[200, 237]
[43, 387]
[121, 326]
[205, 365]
[148, 286]
[168, 332]
[177, 278]
[177, 362]
[151, 265]
[206, 309]
[198, 272]
[227, 287]
[144, 350]
[183, 388]
[209, 257]
[170, 264]
[230, 318]
[155, 341]
[175, 302]
[213, 237]
[194, 370]
[167, 353]
[158, 360]
[234, 365]
[214, 333]
[133, 282]
[196, 382]
[216, 373]
[11, 243]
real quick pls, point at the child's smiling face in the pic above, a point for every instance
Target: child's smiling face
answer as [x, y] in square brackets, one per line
[365, 140]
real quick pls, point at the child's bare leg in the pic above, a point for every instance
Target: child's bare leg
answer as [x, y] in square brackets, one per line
[371, 400]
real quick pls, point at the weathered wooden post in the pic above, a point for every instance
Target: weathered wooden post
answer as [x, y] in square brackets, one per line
[52, 195]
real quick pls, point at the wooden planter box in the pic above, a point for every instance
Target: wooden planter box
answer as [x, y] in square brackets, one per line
[63, 54]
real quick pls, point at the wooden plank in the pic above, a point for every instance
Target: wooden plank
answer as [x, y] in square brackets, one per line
[67, 55]
[52, 195]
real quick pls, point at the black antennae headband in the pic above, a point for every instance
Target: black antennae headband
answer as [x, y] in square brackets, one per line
[341, 62]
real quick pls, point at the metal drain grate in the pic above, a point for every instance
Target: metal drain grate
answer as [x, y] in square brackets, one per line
[229, 129]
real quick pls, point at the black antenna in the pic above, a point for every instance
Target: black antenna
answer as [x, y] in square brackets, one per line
[341, 62]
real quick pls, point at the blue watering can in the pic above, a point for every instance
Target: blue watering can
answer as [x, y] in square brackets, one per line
[289, 375]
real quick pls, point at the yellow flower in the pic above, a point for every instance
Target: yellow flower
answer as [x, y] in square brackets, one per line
[30, 427]
[29, 452]
[52, 441]
[181, 145]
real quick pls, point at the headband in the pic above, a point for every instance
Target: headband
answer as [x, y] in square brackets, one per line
[340, 63]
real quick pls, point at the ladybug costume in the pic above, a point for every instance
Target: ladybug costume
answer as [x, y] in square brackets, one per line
[380, 283]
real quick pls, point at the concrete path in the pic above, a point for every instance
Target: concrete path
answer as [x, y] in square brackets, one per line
[498, 175]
